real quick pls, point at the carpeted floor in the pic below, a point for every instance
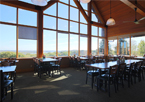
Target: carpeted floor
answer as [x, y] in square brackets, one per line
[70, 87]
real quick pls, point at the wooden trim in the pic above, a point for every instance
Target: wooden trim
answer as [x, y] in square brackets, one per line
[98, 42]
[89, 29]
[98, 24]
[106, 44]
[81, 9]
[133, 5]
[50, 3]
[40, 34]
[19, 4]
[57, 29]
[17, 35]
[130, 46]
[95, 8]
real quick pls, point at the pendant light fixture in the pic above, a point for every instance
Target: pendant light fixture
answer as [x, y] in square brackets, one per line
[85, 1]
[40, 2]
[110, 21]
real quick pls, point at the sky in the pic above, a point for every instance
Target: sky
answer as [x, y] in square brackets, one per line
[25, 17]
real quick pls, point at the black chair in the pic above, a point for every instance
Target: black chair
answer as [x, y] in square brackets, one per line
[91, 73]
[56, 67]
[43, 68]
[128, 73]
[80, 63]
[110, 77]
[136, 72]
[120, 75]
[5, 85]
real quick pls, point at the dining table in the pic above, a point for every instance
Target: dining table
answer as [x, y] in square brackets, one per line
[49, 62]
[107, 65]
[140, 58]
[9, 69]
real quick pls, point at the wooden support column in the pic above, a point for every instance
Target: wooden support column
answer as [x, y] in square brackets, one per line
[130, 46]
[118, 46]
[40, 34]
[89, 29]
[106, 46]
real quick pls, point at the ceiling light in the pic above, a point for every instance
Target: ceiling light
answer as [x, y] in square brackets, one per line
[110, 21]
[85, 1]
[40, 2]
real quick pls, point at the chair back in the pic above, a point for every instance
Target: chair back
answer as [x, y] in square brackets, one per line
[113, 70]
[138, 65]
[122, 67]
[78, 59]
[1, 85]
[6, 63]
[59, 61]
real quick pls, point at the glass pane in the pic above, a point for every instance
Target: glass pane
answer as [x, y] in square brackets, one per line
[27, 48]
[73, 44]
[138, 46]
[7, 14]
[7, 41]
[62, 44]
[94, 18]
[94, 30]
[62, 24]
[94, 46]
[62, 10]
[101, 46]
[65, 1]
[84, 5]
[51, 10]
[112, 47]
[74, 14]
[74, 27]
[49, 22]
[101, 32]
[72, 3]
[30, 19]
[83, 46]
[49, 43]
[83, 29]
[82, 19]
[124, 46]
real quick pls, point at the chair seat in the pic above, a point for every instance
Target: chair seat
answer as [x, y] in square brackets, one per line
[7, 83]
[6, 77]
[93, 72]
[55, 65]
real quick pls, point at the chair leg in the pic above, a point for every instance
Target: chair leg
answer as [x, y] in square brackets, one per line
[86, 78]
[109, 88]
[11, 90]
[98, 84]
[92, 81]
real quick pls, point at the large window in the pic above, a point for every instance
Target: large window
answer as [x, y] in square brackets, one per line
[138, 46]
[83, 45]
[49, 22]
[49, 43]
[124, 46]
[7, 14]
[62, 24]
[62, 44]
[51, 10]
[94, 45]
[101, 46]
[27, 17]
[62, 10]
[7, 41]
[73, 44]
[74, 27]
[112, 47]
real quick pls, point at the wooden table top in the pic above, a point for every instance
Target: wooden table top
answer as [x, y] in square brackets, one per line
[11, 60]
[48, 60]
[83, 58]
[142, 58]
[8, 69]
[106, 65]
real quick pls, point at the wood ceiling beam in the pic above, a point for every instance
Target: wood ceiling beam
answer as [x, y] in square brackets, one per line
[16, 3]
[81, 9]
[50, 3]
[98, 24]
[95, 8]
[133, 5]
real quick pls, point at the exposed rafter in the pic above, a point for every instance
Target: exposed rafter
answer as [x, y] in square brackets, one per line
[133, 5]
[81, 9]
[95, 8]
[98, 24]
[50, 3]
[19, 4]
